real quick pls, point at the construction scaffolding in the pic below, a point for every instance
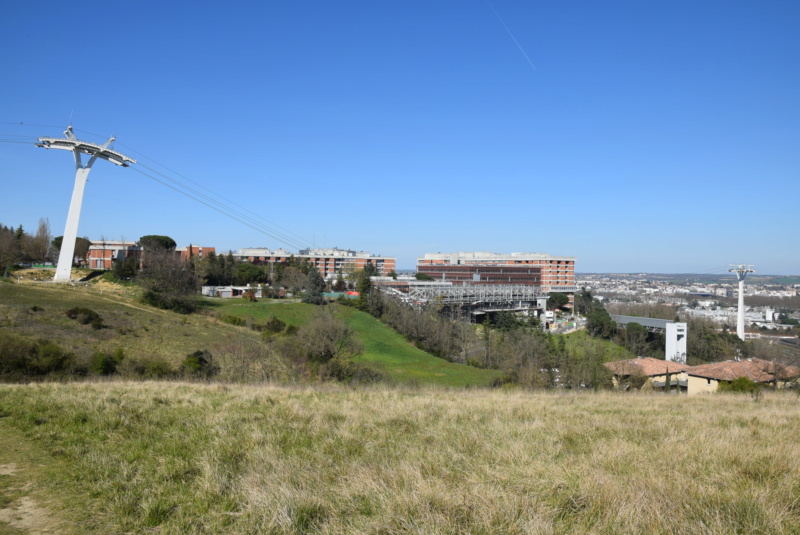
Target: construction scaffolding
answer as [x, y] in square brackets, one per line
[465, 301]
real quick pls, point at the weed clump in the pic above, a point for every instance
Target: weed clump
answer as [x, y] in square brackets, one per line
[86, 316]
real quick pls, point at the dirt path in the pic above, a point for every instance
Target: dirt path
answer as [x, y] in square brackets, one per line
[24, 498]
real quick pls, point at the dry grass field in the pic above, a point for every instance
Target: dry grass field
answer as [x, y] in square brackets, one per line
[205, 458]
[37, 311]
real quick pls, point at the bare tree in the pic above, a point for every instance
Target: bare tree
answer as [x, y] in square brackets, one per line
[169, 282]
[327, 337]
[39, 244]
[294, 279]
[242, 358]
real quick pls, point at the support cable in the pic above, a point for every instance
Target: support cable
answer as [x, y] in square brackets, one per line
[182, 185]
[220, 208]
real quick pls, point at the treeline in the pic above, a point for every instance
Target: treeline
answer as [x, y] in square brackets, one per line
[18, 246]
[517, 346]
[173, 283]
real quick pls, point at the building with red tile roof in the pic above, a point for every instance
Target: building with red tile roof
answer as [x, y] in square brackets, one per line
[707, 377]
[701, 379]
[653, 373]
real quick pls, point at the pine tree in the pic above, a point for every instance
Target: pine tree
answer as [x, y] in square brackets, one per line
[315, 285]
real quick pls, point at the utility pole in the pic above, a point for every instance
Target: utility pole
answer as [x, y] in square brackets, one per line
[70, 142]
[741, 271]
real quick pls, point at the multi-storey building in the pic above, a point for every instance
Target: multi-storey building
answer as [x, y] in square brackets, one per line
[328, 262]
[103, 253]
[551, 273]
[194, 251]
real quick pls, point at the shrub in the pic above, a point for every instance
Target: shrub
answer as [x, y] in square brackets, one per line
[343, 369]
[86, 316]
[156, 368]
[199, 364]
[52, 358]
[274, 326]
[182, 304]
[741, 385]
[104, 364]
[15, 355]
[20, 359]
[249, 295]
[233, 320]
[475, 363]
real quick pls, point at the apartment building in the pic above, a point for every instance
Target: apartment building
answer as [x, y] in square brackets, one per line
[328, 262]
[552, 273]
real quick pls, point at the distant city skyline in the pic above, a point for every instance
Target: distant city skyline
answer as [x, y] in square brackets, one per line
[636, 137]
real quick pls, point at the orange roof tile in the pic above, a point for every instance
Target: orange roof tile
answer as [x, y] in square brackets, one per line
[645, 366]
[755, 370]
[784, 371]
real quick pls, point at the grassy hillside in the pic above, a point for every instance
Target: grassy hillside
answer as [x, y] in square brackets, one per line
[182, 458]
[38, 311]
[383, 347]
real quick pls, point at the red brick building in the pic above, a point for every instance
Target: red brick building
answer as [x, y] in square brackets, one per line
[552, 273]
[194, 251]
[102, 254]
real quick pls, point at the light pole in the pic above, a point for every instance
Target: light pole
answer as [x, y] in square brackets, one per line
[70, 142]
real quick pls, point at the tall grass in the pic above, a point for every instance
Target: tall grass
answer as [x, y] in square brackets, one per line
[247, 459]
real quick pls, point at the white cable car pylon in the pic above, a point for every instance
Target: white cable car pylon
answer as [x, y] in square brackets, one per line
[70, 142]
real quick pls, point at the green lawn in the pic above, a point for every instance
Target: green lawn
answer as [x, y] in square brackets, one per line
[384, 348]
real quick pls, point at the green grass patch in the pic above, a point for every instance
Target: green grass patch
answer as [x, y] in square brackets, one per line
[384, 348]
[292, 313]
[403, 362]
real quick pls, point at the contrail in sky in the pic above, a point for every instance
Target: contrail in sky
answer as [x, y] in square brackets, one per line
[511, 35]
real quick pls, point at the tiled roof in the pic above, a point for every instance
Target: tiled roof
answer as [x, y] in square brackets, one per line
[756, 370]
[645, 366]
[784, 371]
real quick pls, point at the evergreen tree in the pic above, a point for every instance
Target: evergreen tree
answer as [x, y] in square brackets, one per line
[340, 285]
[599, 322]
[370, 269]
[155, 241]
[583, 302]
[363, 283]
[315, 285]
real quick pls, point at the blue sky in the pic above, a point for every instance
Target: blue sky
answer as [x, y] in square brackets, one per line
[635, 136]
